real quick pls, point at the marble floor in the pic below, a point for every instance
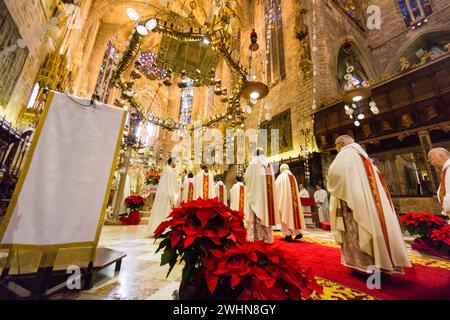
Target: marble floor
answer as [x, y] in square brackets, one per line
[141, 276]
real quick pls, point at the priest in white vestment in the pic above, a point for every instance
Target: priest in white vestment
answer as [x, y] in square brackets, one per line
[238, 201]
[303, 193]
[187, 191]
[221, 192]
[289, 210]
[204, 185]
[363, 218]
[321, 198]
[167, 196]
[440, 158]
[260, 188]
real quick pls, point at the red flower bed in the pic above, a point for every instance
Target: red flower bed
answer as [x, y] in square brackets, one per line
[422, 223]
[210, 239]
[134, 202]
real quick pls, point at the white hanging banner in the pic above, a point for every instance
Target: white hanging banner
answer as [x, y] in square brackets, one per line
[62, 193]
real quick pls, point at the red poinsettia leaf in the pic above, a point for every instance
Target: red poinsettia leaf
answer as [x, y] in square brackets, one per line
[175, 237]
[211, 281]
[232, 237]
[235, 280]
[189, 240]
[204, 215]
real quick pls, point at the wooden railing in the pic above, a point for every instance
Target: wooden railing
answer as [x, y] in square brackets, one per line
[13, 148]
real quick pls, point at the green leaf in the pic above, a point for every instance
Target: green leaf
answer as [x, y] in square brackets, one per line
[165, 257]
[161, 245]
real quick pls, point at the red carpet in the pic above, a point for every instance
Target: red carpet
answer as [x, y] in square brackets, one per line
[419, 282]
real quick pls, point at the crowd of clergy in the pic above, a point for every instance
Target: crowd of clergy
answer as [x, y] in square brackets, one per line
[360, 210]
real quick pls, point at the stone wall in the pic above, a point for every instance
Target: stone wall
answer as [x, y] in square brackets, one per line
[394, 38]
[29, 16]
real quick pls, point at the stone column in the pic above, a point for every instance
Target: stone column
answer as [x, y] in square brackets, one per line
[426, 146]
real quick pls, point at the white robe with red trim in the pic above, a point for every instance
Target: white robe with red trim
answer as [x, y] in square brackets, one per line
[224, 195]
[347, 180]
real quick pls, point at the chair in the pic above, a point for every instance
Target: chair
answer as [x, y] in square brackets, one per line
[312, 217]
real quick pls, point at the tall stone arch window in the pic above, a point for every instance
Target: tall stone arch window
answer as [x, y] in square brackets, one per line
[275, 61]
[414, 10]
[186, 102]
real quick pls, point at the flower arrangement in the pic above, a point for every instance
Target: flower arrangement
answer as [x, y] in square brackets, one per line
[152, 176]
[421, 223]
[134, 202]
[211, 240]
[433, 230]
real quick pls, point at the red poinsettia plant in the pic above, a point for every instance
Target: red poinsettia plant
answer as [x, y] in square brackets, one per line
[191, 231]
[441, 238]
[210, 239]
[134, 202]
[422, 223]
[152, 176]
[258, 271]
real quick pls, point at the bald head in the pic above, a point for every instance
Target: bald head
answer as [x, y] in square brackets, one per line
[284, 167]
[342, 141]
[438, 156]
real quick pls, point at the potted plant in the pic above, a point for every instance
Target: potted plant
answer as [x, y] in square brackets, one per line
[219, 263]
[433, 231]
[134, 203]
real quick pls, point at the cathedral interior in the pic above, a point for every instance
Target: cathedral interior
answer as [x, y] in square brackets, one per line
[312, 69]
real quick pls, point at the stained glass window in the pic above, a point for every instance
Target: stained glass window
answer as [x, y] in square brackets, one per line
[103, 86]
[148, 65]
[275, 62]
[413, 10]
[186, 101]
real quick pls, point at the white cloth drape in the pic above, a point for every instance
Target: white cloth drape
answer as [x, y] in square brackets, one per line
[64, 188]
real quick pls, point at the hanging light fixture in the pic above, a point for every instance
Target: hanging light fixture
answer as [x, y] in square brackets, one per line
[254, 90]
[151, 24]
[356, 93]
[132, 14]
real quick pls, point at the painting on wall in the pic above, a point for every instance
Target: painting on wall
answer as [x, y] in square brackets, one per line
[12, 58]
[282, 122]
